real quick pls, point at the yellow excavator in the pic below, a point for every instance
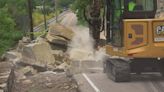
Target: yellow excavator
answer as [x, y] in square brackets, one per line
[135, 38]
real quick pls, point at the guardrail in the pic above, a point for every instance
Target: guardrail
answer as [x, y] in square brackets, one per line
[52, 20]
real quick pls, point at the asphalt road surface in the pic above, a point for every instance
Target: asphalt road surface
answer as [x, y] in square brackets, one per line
[99, 82]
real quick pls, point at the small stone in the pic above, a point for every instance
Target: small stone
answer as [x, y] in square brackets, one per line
[27, 82]
[28, 70]
[20, 76]
[62, 66]
[66, 87]
[3, 85]
[49, 85]
[48, 79]
[26, 39]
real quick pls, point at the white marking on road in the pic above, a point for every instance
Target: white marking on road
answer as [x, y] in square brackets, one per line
[90, 82]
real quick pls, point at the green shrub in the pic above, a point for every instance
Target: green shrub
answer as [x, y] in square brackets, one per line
[8, 35]
[9, 40]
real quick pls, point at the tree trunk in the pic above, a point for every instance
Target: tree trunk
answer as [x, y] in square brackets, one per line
[95, 20]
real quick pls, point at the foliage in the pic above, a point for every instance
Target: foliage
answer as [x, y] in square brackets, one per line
[38, 14]
[8, 23]
[64, 3]
[50, 3]
[14, 17]
[9, 39]
[79, 6]
[39, 17]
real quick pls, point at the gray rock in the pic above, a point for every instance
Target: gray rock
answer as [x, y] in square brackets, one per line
[9, 55]
[26, 39]
[38, 54]
[28, 70]
[3, 85]
[27, 82]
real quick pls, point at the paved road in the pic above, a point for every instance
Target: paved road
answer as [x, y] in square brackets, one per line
[152, 82]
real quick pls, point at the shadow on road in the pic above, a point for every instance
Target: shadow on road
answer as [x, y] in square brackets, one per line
[147, 77]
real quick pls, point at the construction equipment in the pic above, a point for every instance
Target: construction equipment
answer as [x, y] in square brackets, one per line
[135, 38]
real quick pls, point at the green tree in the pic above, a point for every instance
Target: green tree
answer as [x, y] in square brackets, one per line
[64, 3]
[78, 6]
[90, 10]
[8, 26]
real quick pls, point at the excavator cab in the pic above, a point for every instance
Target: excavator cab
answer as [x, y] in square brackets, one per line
[119, 10]
[135, 38]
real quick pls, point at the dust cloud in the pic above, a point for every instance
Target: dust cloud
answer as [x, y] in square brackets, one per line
[70, 20]
[82, 44]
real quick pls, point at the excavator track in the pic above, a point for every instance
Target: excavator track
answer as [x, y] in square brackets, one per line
[117, 69]
[161, 67]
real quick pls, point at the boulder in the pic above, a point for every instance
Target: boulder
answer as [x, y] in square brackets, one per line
[38, 54]
[59, 34]
[12, 56]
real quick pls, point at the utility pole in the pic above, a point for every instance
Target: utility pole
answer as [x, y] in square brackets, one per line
[44, 13]
[31, 21]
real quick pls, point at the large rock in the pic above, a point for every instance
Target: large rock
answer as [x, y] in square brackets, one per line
[59, 34]
[6, 76]
[38, 54]
[12, 56]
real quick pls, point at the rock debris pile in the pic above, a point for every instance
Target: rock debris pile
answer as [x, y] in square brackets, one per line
[39, 65]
